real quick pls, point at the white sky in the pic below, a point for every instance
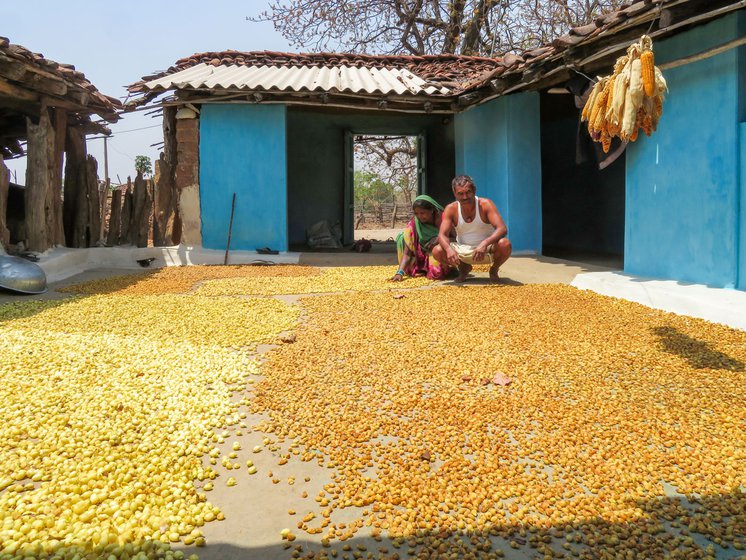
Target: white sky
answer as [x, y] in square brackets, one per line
[115, 44]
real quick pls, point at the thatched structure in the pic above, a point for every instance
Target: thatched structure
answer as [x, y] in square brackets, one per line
[50, 107]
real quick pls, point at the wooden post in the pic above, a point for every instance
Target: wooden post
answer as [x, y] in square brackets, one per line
[169, 135]
[94, 207]
[80, 224]
[75, 156]
[115, 218]
[172, 233]
[164, 213]
[56, 231]
[141, 206]
[39, 162]
[146, 218]
[4, 184]
[124, 230]
[103, 195]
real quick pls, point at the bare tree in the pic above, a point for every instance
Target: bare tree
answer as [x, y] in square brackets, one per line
[393, 159]
[469, 27]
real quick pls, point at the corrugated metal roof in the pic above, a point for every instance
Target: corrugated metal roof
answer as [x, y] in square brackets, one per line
[585, 48]
[334, 79]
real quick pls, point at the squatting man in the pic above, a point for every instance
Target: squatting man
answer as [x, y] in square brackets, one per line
[480, 232]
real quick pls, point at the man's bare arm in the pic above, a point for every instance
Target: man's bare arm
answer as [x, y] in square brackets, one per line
[446, 225]
[496, 221]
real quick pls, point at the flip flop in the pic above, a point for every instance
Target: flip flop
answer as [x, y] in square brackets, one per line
[267, 251]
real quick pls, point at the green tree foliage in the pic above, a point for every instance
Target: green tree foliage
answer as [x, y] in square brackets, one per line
[371, 191]
[143, 165]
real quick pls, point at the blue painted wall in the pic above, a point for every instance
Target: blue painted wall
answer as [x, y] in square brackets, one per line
[741, 54]
[683, 183]
[242, 150]
[498, 144]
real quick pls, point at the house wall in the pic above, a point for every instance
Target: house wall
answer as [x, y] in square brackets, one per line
[741, 56]
[316, 159]
[498, 145]
[684, 189]
[243, 151]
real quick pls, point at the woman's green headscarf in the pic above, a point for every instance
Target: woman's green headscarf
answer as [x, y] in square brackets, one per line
[425, 232]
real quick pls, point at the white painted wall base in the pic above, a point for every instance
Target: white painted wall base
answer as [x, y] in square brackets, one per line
[61, 263]
[717, 305]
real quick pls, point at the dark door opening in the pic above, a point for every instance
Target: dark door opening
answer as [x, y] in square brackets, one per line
[582, 206]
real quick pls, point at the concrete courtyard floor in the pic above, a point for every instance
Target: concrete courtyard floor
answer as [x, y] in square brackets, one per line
[260, 505]
[724, 306]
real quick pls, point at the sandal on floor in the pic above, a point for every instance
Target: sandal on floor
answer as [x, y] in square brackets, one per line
[267, 251]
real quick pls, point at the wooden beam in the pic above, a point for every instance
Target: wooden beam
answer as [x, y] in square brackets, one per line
[11, 130]
[704, 54]
[23, 71]
[11, 90]
[438, 105]
[620, 46]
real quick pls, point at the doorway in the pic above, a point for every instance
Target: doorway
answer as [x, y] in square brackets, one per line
[582, 205]
[386, 173]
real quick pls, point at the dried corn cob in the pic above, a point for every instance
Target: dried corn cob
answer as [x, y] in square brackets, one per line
[630, 116]
[605, 142]
[590, 102]
[598, 115]
[660, 82]
[646, 115]
[614, 113]
[657, 107]
[647, 65]
[610, 98]
[599, 101]
[635, 81]
[647, 125]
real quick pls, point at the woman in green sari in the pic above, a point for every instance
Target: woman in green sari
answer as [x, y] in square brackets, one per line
[415, 244]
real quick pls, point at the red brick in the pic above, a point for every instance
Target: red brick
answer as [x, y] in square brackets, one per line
[188, 157]
[187, 136]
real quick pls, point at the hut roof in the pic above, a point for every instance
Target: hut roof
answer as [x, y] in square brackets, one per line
[28, 80]
[351, 78]
[445, 83]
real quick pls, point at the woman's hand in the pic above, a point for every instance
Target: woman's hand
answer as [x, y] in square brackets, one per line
[398, 277]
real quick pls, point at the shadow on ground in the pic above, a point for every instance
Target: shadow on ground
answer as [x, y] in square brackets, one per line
[672, 527]
[698, 353]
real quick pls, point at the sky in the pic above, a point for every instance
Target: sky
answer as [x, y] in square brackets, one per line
[115, 44]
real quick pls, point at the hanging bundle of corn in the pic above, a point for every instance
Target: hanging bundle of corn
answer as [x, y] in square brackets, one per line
[629, 100]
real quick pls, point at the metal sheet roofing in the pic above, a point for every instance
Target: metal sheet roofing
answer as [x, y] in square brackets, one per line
[447, 82]
[337, 79]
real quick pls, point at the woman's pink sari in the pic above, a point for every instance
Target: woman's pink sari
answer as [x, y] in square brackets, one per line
[420, 263]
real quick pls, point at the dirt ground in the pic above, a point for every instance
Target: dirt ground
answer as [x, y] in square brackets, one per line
[520, 269]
